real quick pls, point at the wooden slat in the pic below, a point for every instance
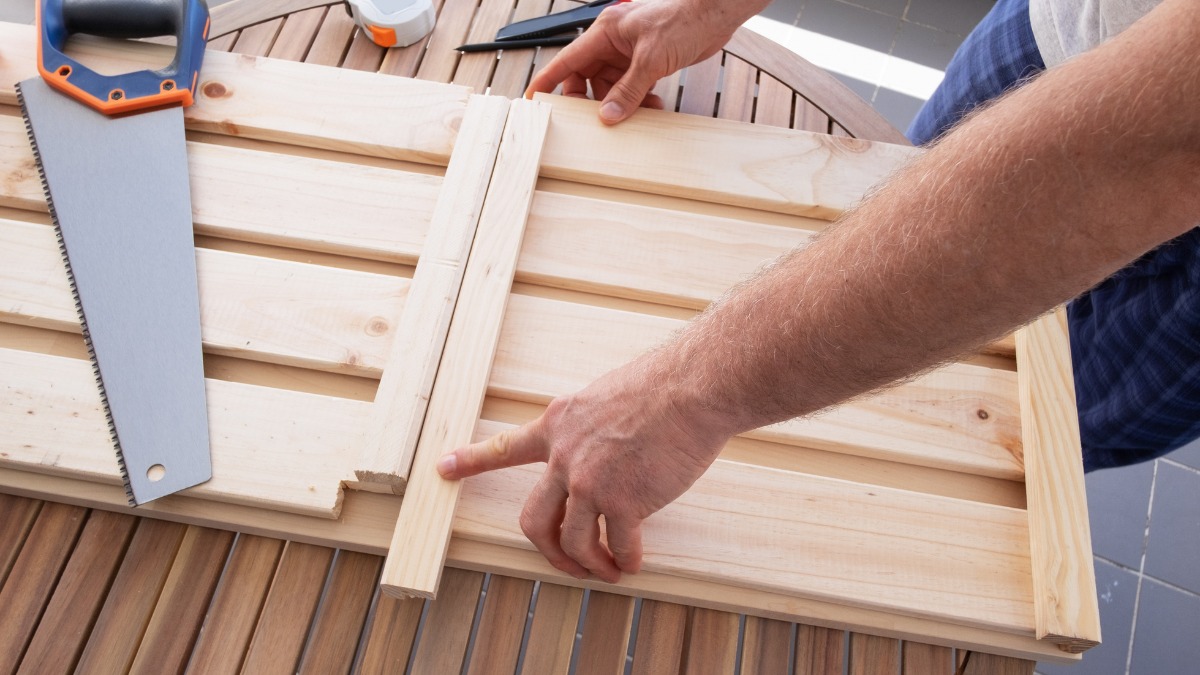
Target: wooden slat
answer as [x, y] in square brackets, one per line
[63, 629]
[332, 40]
[405, 61]
[979, 663]
[766, 645]
[737, 90]
[444, 638]
[923, 659]
[700, 84]
[272, 448]
[662, 628]
[284, 622]
[552, 633]
[339, 623]
[809, 118]
[231, 16]
[475, 69]
[391, 635]
[819, 651]
[171, 633]
[229, 626]
[712, 642]
[390, 439]
[715, 160]
[256, 40]
[34, 574]
[130, 602]
[605, 634]
[668, 90]
[19, 516]
[511, 75]
[418, 549]
[501, 627]
[367, 522]
[873, 655]
[297, 35]
[1064, 579]
[775, 102]
[440, 60]
[363, 54]
[223, 43]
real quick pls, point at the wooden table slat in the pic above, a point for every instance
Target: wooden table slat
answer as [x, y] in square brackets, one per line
[332, 40]
[297, 35]
[291, 603]
[440, 57]
[662, 629]
[605, 638]
[229, 626]
[501, 627]
[979, 663]
[819, 651]
[363, 54]
[130, 603]
[442, 646]
[404, 61]
[923, 659]
[552, 633]
[712, 642]
[700, 85]
[765, 646]
[874, 655]
[257, 40]
[775, 102]
[475, 69]
[737, 90]
[809, 118]
[20, 515]
[336, 631]
[512, 70]
[391, 635]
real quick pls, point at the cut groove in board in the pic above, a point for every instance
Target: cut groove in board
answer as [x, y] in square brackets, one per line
[1064, 579]
[716, 160]
[390, 439]
[418, 550]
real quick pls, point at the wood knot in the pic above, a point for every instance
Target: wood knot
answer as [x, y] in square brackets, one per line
[983, 414]
[851, 144]
[215, 90]
[377, 326]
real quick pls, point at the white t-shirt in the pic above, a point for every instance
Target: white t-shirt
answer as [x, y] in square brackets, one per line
[1066, 28]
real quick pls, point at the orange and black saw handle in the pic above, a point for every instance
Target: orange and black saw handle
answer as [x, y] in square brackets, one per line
[186, 20]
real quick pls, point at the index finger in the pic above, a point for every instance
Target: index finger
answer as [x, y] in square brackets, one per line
[584, 57]
[523, 445]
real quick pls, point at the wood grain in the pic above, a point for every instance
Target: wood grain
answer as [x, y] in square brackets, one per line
[363, 54]
[256, 40]
[605, 637]
[475, 69]
[511, 74]
[1064, 579]
[31, 582]
[391, 635]
[297, 34]
[291, 603]
[737, 90]
[443, 644]
[440, 58]
[765, 646]
[19, 516]
[332, 39]
[335, 632]
[232, 16]
[819, 651]
[980, 663]
[501, 627]
[712, 642]
[415, 559]
[552, 633]
[662, 629]
[390, 439]
[923, 659]
[874, 655]
[775, 103]
[701, 81]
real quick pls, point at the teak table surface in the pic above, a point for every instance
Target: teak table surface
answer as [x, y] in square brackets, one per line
[91, 591]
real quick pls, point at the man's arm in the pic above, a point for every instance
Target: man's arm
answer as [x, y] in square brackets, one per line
[1027, 204]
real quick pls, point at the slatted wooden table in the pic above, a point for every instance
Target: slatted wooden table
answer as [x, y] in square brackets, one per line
[94, 591]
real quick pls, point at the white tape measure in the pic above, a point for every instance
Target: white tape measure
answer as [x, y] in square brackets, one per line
[393, 23]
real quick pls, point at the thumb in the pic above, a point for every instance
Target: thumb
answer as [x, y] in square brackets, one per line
[627, 93]
[523, 445]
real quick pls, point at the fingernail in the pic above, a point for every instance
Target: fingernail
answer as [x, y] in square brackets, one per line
[612, 111]
[447, 464]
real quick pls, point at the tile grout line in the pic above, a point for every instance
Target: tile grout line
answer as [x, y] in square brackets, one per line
[1137, 598]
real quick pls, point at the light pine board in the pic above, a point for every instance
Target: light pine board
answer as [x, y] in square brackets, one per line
[1064, 580]
[390, 439]
[418, 549]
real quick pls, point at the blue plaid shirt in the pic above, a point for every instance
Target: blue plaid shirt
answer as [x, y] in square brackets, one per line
[1135, 338]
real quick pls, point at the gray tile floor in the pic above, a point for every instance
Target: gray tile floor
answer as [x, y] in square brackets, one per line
[1145, 519]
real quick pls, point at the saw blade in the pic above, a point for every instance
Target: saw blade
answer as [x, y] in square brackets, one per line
[119, 197]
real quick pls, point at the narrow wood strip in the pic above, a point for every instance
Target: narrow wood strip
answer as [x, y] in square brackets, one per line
[332, 39]
[34, 574]
[545, 55]
[229, 626]
[605, 634]
[392, 633]
[256, 40]
[367, 524]
[820, 651]
[475, 69]
[179, 614]
[712, 642]
[809, 118]
[390, 439]
[766, 645]
[775, 102]
[443, 643]
[271, 448]
[440, 58]
[761, 167]
[511, 74]
[223, 43]
[135, 591]
[501, 627]
[339, 623]
[64, 627]
[979, 663]
[284, 623]
[873, 655]
[923, 659]
[405, 61]
[552, 633]
[19, 516]
[700, 84]
[1064, 579]
[662, 629]
[737, 90]
[838, 130]
[363, 54]
[418, 549]
[297, 35]
[232, 16]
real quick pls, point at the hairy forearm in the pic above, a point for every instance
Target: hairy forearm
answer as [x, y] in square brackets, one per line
[1026, 205]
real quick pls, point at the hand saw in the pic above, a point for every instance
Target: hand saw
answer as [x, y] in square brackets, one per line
[113, 160]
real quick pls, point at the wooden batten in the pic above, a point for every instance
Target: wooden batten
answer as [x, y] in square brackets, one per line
[418, 549]
[1060, 546]
[390, 440]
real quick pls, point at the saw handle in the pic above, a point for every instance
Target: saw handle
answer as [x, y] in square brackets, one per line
[187, 20]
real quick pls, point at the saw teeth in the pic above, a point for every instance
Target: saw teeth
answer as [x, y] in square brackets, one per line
[87, 337]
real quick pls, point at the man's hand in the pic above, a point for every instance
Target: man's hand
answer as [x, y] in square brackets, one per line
[618, 449]
[634, 44]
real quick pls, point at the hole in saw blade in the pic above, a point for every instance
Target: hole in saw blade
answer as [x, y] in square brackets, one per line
[156, 473]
